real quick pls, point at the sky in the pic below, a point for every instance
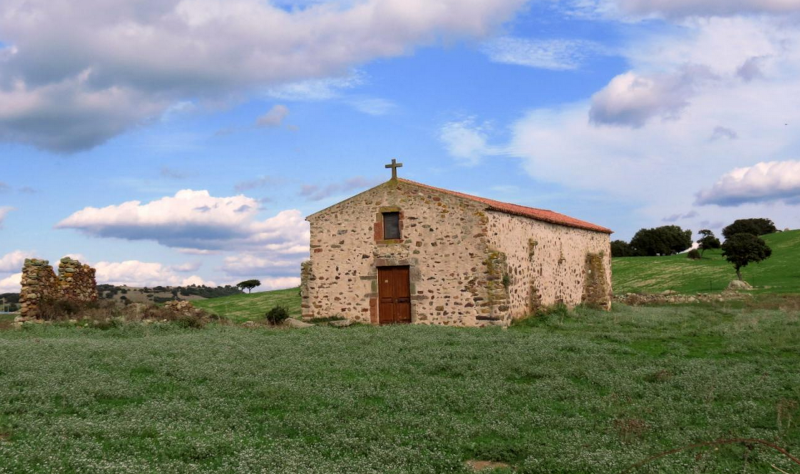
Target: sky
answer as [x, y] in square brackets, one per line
[170, 142]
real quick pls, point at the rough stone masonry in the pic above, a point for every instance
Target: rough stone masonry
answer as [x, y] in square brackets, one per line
[472, 261]
[74, 282]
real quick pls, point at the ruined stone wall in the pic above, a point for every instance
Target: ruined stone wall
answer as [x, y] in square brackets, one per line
[547, 264]
[443, 242]
[39, 282]
[75, 282]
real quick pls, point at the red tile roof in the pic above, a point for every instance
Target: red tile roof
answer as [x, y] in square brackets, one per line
[517, 210]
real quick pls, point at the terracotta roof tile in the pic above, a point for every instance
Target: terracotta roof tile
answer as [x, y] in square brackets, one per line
[515, 209]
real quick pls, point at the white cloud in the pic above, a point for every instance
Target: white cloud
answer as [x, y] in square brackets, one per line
[248, 265]
[555, 54]
[188, 251]
[372, 105]
[278, 283]
[138, 274]
[78, 256]
[172, 173]
[631, 99]
[193, 220]
[677, 217]
[187, 267]
[68, 116]
[274, 117]
[261, 181]
[72, 77]
[751, 69]
[683, 8]
[763, 182]
[317, 89]
[12, 262]
[4, 210]
[11, 284]
[467, 141]
[723, 132]
[196, 280]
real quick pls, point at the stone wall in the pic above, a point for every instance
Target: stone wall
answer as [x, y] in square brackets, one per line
[75, 282]
[39, 282]
[468, 266]
[546, 264]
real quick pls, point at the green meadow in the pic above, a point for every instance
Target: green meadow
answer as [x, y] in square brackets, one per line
[778, 274]
[252, 307]
[580, 391]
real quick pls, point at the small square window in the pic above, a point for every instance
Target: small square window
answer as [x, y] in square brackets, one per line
[391, 225]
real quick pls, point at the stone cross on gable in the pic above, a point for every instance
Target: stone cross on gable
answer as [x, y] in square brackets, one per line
[394, 165]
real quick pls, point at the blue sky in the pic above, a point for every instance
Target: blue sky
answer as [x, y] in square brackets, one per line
[626, 113]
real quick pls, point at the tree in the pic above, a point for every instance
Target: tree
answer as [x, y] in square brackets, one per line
[741, 249]
[756, 226]
[248, 285]
[664, 240]
[693, 254]
[708, 241]
[620, 248]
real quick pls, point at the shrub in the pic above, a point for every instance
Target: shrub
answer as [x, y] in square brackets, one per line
[693, 254]
[277, 315]
[60, 309]
[57, 309]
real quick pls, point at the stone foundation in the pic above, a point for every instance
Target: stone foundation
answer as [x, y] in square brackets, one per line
[75, 282]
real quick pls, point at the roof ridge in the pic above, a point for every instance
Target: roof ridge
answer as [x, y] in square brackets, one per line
[544, 215]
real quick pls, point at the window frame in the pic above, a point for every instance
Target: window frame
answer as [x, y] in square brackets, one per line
[396, 215]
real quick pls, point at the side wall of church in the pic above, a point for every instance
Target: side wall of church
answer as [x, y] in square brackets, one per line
[545, 264]
[453, 273]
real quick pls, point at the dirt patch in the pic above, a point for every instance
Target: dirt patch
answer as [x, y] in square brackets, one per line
[478, 466]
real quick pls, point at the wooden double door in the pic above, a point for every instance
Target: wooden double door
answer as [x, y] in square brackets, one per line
[394, 295]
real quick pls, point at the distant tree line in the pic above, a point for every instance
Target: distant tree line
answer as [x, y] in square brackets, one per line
[110, 291]
[12, 302]
[743, 243]
[664, 240]
[671, 239]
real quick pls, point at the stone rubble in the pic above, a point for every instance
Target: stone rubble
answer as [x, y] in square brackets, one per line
[181, 307]
[672, 297]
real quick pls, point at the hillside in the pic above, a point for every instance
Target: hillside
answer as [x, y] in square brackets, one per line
[778, 274]
[252, 307]
[162, 294]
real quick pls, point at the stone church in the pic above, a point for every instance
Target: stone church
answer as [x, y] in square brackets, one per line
[406, 252]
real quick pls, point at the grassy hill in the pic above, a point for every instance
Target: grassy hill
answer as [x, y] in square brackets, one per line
[778, 274]
[252, 307]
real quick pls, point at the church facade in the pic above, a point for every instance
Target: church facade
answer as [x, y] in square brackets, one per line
[405, 252]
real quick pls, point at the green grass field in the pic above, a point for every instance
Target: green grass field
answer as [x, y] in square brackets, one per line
[778, 274]
[252, 307]
[583, 392]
